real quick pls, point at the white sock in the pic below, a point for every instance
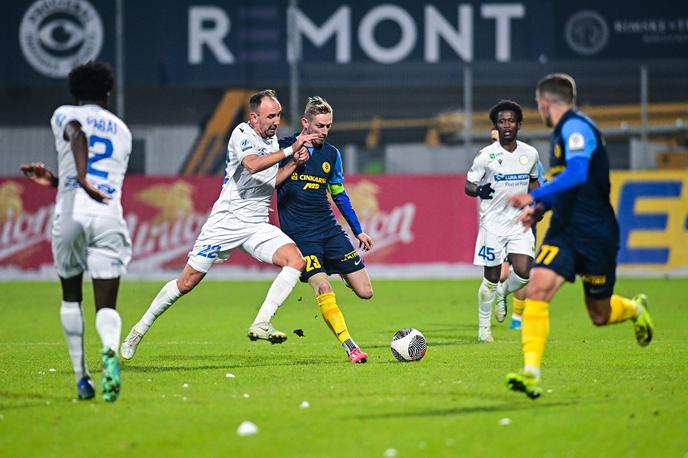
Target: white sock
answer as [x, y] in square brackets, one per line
[72, 320]
[278, 292]
[109, 327]
[512, 283]
[167, 296]
[533, 370]
[486, 296]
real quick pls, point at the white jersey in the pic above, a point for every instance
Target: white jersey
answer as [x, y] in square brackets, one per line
[509, 173]
[247, 196]
[109, 147]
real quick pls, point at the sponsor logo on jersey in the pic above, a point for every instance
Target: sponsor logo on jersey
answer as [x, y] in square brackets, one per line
[57, 35]
[326, 167]
[557, 151]
[245, 145]
[311, 178]
[311, 186]
[511, 176]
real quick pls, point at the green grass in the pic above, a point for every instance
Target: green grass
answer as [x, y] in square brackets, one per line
[604, 395]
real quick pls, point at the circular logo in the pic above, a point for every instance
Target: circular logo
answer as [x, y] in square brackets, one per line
[523, 160]
[57, 35]
[326, 167]
[586, 32]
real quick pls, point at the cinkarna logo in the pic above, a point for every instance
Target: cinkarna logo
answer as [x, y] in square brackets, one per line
[57, 35]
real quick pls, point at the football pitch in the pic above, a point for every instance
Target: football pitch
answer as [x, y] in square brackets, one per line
[604, 395]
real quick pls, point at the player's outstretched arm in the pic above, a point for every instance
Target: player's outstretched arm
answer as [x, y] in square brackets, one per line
[343, 203]
[39, 173]
[287, 169]
[79, 146]
[254, 163]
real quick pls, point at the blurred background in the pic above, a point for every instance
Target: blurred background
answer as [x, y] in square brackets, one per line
[411, 85]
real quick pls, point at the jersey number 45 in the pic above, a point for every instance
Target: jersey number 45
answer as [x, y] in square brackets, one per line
[487, 253]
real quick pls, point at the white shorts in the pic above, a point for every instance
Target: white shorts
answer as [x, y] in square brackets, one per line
[222, 233]
[491, 250]
[99, 244]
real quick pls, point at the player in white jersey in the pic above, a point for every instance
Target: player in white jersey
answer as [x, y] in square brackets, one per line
[239, 219]
[93, 147]
[504, 168]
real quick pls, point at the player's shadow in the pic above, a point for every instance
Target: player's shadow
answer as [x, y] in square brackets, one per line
[468, 410]
[230, 362]
[27, 400]
[455, 341]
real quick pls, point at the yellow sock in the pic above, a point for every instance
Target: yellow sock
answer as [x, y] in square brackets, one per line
[519, 305]
[622, 309]
[333, 316]
[535, 329]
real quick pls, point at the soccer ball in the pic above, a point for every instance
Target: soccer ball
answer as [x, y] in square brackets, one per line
[408, 345]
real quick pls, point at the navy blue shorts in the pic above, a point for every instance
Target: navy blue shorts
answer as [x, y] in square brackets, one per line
[332, 255]
[593, 260]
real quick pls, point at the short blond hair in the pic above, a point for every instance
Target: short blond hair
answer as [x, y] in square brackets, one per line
[315, 106]
[560, 86]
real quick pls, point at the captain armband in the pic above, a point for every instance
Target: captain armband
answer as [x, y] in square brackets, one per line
[336, 189]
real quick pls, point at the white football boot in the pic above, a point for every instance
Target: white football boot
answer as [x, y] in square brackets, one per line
[484, 334]
[129, 345]
[266, 331]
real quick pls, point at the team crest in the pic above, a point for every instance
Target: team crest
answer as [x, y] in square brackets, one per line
[326, 167]
[523, 160]
[492, 156]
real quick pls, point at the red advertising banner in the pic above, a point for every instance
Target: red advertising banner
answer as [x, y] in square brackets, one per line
[414, 220]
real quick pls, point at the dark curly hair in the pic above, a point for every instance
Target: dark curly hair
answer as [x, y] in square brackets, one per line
[91, 81]
[506, 105]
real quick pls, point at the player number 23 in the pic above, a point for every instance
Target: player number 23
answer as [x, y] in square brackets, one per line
[547, 254]
[312, 262]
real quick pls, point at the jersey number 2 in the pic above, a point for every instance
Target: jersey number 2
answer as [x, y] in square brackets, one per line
[107, 144]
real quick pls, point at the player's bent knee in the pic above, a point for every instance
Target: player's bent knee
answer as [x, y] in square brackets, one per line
[365, 293]
[297, 263]
[524, 275]
[186, 283]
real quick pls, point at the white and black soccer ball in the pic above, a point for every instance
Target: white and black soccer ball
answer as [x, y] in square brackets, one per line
[408, 345]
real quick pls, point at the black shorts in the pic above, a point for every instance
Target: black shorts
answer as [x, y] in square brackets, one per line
[593, 260]
[332, 255]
